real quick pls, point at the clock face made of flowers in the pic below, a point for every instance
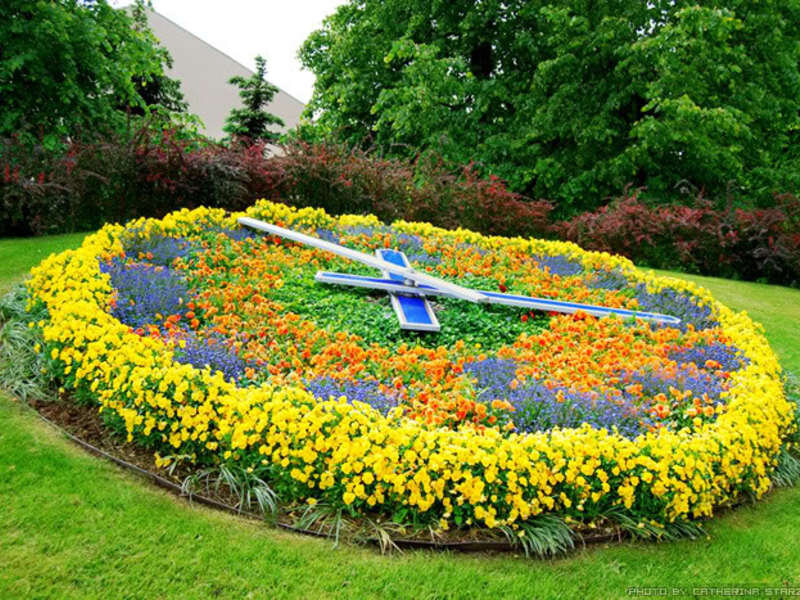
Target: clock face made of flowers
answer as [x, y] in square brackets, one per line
[200, 338]
[408, 288]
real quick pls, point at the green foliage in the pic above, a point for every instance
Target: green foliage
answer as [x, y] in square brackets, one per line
[370, 315]
[251, 493]
[542, 536]
[73, 67]
[252, 121]
[156, 89]
[571, 100]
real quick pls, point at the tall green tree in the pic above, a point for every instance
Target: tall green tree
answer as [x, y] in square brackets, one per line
[568, 99]
[74, 68]
[156, 89]
[252, 120]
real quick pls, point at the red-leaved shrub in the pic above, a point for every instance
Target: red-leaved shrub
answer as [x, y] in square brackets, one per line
[754, 244]
[146, 174]
[353, 181]
[150, 173]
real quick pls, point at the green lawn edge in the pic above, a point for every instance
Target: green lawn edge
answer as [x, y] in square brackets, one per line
[19, 255]
[74, 526]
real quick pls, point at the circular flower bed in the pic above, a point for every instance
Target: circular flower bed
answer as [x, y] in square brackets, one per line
[212, 345]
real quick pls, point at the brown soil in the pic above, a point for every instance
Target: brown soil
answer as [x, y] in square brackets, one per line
[84, 423]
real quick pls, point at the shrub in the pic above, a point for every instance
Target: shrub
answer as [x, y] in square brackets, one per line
[143, 173]
[149, 173]
[341, 180]
[756, 244]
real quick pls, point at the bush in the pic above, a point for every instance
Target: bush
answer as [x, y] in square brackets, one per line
[343, 181]
[146, 173]
[340, 180]
[755, 244]
[152, 172]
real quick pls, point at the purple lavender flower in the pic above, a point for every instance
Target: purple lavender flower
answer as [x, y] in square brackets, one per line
[667, 301]
[539, 407]
[159, 249]
[608, 280]
[687, 377]
[237, 235]
[672, 302]
[493, 377]
[143, 291]
[328, 235]
[214, 352]
[558, 264]
[364, 390]
[729, 357]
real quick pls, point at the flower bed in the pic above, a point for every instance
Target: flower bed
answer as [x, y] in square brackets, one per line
[212, 345]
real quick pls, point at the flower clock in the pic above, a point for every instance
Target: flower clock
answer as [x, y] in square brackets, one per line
[213, 345]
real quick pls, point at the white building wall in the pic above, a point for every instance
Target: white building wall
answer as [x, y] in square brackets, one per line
[204, 72]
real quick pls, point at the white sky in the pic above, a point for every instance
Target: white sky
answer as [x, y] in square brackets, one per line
[243, 29]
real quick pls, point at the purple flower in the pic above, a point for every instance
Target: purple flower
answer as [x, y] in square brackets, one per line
[213, 351]
[608, 280]
[677, 304]
[687, 377]
[365, 390]
[729, 357]
[557, 265]
[539, 407]
[667, 301]
[328, 235]
[157, 248]
[143, 291]
[238, 235]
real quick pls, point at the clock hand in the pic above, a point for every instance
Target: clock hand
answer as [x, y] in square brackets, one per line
[546, 304]
[452, 289]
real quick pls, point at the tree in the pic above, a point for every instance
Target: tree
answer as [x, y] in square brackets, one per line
[156, 89]
[252, 120]
[73, 67]
[570, 100]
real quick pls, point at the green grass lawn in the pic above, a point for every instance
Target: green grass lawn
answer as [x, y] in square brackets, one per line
[18, 255]
[73, 526]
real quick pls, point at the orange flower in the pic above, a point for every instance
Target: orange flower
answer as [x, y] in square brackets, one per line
[661, 411]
